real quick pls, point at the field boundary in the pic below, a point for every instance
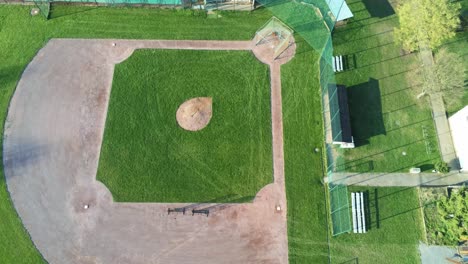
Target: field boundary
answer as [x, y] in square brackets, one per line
[51, 155]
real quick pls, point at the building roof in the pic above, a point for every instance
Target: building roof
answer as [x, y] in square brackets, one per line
[339, 9]
[459, 128]
[341, 130]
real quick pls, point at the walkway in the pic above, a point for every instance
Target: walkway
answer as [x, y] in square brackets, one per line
[400, 179]
[52, 142]
[447, 150]
[437, 254]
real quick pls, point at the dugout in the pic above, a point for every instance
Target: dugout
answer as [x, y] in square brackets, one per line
[341, 122]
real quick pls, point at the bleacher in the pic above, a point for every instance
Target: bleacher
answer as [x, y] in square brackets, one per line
[358, 211]
[338, 63]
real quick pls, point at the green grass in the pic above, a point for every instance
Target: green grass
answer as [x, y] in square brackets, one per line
[147, 157]
[386, 117]
[394, 232]
[459, 46]
[302, 125]
[21, 36]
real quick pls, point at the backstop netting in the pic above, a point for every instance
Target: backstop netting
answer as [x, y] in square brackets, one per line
[314, 21]
[277, 34]
[43, 6]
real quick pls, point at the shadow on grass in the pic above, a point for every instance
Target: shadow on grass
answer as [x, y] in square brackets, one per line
[426, 167]
[64, 9]
[365, 109]
[371, 209]
[367, 165]
[379, 8]
[9, 76]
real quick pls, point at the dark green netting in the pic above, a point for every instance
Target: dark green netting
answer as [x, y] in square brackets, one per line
[314, 21]
[44, 7]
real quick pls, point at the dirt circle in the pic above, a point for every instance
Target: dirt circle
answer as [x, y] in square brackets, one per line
[194, 114]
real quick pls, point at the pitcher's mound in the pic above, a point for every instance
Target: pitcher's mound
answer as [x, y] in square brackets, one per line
[195, 114]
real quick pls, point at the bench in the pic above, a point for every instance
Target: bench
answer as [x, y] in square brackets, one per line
[338, 63]
[201, 211]
[176, 210]
[358, 212]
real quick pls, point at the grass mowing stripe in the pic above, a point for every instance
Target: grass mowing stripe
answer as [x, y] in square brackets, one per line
[154, 160]
[302, 121]
[18, 49]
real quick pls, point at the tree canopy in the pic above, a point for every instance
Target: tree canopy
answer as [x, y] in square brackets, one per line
[427, 22]
[450, 75]
[446, 218]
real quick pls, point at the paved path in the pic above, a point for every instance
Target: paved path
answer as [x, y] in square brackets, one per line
[447, 149]
[437, 254]
[400, 179]
[52, 142]
[444, 136]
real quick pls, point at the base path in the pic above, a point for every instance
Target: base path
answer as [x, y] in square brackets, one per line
[52, 141]
[400, 179]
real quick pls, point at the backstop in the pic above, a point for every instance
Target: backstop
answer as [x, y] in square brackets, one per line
[314, 21]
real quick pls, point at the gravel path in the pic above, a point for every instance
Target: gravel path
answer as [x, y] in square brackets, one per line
[52, 141]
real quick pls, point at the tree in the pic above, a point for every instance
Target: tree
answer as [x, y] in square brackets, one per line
[448, 222]
[447, 76]
[450, 75]
[426, 21]
[442, 167]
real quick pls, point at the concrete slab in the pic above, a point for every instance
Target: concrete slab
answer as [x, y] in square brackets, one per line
[436, 254]
[384, 179]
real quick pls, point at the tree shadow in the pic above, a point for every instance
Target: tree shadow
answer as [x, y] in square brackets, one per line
[63, 9]
[9, 75]
[365, 109]
[379, 8]
[426, 167]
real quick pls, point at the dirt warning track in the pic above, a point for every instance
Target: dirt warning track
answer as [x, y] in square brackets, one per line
[52, 141]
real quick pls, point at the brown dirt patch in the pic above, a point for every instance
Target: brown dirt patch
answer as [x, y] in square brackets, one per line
[62, 175]
[195, 114]
[266, 52]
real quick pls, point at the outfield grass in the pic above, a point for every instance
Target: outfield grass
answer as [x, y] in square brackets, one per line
[394, 232]
[21, 36]
[147, 157]
[386, 117]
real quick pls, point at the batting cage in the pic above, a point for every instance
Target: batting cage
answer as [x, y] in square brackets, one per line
[276, 34]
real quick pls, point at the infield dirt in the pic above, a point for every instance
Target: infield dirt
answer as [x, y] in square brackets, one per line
[52, 141]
